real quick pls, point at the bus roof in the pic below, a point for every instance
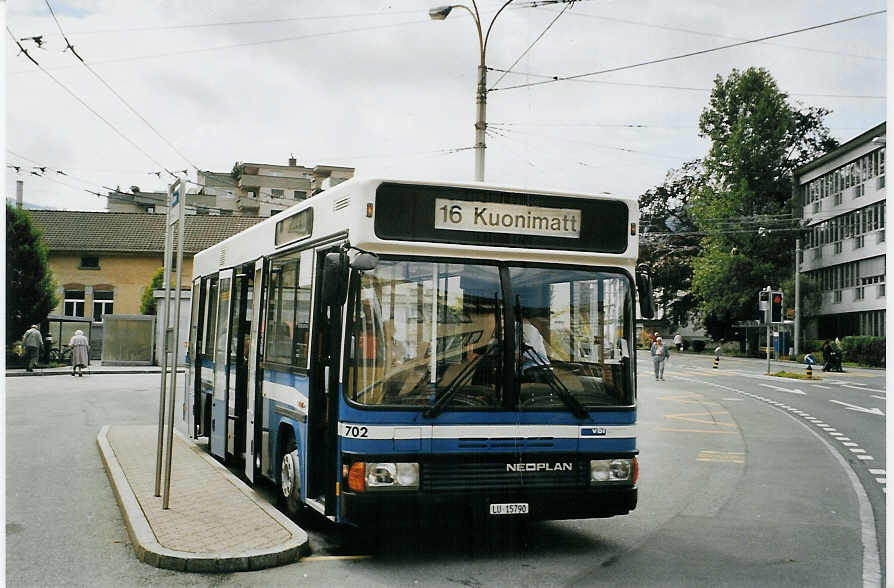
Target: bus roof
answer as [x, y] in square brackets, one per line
[347, 208]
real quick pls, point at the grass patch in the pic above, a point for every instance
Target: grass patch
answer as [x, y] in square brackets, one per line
[795, 375]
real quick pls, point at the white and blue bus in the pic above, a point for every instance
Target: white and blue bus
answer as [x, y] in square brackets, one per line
[387, 349]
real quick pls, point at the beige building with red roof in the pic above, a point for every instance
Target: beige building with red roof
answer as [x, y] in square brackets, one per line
[102, 261]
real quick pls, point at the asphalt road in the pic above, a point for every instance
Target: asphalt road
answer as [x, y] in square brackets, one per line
[737, 488]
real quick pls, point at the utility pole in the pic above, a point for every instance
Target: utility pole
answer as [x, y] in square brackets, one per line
[767, 314]
[797, 292]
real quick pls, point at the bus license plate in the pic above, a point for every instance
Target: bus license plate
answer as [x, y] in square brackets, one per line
[511, 508]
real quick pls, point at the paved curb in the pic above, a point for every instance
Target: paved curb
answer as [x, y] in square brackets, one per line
[90, 372]
[150, 551]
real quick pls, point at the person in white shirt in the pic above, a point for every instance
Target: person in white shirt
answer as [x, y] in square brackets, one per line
[678, 342]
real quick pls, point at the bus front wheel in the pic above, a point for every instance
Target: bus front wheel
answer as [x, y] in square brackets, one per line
[290, 479]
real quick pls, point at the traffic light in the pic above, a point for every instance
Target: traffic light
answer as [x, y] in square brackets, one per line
[776, 307]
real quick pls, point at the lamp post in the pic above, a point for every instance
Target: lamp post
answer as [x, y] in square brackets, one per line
[440, 13]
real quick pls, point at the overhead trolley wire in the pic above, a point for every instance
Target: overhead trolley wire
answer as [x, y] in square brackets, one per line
[113, 91]
[244, 44]
[555, 79]
[242, 22]
[87, 106]
[534, 42]
[706, 34]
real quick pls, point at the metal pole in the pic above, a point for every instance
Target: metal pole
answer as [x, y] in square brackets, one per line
[481, 121]
[767, 315]
[166, 273]
[797, 292]
[175, 342]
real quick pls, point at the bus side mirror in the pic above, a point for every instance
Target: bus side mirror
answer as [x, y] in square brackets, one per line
[335, 278]
[646, 296]
[365, 261]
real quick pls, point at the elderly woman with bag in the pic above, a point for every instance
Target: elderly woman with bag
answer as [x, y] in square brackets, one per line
[659, 352]
[79, 347]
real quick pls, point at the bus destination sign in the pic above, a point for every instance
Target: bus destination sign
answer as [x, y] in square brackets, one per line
[498, 217]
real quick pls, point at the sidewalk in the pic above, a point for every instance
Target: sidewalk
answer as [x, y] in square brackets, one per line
[215, 522]
[96, 367]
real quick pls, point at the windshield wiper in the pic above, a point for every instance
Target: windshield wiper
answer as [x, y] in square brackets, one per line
[554, 383]
[492, 349]
[451, 388]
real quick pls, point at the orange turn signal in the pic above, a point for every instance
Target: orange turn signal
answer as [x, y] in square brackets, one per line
[635, 470]
[356, 477]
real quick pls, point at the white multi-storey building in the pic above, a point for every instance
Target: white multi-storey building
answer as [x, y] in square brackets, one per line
[250, 189]
[841, 197]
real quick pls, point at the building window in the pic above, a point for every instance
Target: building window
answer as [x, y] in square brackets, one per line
[836, 296]
[299, 195]
[858, 241]
[73, 304]
[103, 304]
[89, 262]
[277, 193]
[274, 211]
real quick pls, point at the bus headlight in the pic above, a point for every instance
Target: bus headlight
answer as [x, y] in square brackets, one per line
[613, 470]
[383, 475]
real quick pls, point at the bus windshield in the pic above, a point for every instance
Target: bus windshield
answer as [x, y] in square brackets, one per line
[570, 348]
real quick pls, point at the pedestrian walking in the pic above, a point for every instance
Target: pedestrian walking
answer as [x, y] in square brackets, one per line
[33, 342]
[660, 353]
[79, 348]
[678, 342]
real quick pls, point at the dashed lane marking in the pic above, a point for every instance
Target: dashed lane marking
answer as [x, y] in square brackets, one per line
[821, 386]
[877, 472]
[865, 457]
[880, 397]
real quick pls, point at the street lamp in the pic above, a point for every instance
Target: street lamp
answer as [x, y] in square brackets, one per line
[440, 13]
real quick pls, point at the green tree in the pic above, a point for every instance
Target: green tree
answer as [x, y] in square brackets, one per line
[669, 241]
[745, 209]
[147, 302]
[30, 288]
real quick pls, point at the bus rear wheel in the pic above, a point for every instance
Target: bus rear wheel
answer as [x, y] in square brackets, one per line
[290, 479]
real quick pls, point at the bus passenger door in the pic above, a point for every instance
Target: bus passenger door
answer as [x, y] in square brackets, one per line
[240, 327]
[194, 380]
[323, 406]
[221, 369]
[254, 373]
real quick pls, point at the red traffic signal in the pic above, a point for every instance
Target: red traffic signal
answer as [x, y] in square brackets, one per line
[776, 307]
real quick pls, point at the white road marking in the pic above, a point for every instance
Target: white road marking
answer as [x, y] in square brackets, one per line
[857, 450]
[872, 569]
[863, 388]
[882, 480]
[781, 389]
[851, 444]
[856, 408]
[821, 386]
[877, 472]
[880, 397]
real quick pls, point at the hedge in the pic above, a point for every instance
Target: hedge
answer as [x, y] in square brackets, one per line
[864, 350]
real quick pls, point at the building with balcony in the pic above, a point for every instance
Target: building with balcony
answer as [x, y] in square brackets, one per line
[841, 197]
[249, 189]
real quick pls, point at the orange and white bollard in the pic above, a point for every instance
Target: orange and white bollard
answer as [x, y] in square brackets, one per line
[716, 361]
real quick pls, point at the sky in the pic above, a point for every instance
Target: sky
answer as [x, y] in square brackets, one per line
[379, 86]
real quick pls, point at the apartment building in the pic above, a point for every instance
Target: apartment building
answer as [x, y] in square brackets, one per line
[249, 189]
[841, 197]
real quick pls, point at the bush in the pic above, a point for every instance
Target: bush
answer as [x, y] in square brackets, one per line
[864, 350]
[698, 346]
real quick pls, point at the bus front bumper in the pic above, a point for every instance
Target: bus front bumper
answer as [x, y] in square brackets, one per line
[382, 507]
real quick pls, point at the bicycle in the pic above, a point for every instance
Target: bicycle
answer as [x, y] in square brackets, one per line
[61, 355]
